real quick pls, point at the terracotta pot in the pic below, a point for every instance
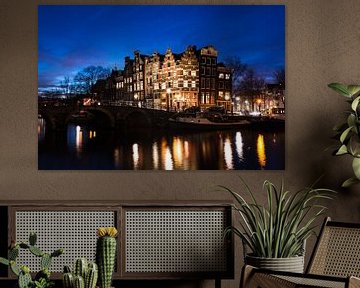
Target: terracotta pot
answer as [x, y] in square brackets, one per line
[291, 264]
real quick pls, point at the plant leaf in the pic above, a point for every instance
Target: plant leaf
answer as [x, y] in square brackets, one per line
[351, 120]
[349, 182]
[340, 88]
[345, 134]
[356, 167]
[355, 103]
[342, 150]
[353, 90]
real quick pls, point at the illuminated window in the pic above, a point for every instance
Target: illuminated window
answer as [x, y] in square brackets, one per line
[163, 85]
[221, 94]
[185, 83]
[193, 84]
[193, 73]
[221, 76]
[207, 100]
[227, 76]
[175, 83]
[227, 95]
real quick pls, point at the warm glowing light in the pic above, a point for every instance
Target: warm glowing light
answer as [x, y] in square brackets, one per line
[169, 164]
[228, 155]
[260, 148]
[239, 145]
[135, 155]
[79, 138]
[91, 134]
[186, 149]
[168, 90]
[155, 155]
[178, 151]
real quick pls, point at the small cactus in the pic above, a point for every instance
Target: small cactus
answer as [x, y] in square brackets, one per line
[32, 238]
[24, 277]
[13, 253]
[36, 251]
[80, 268]
[45, 261]
[91, 276]
[68, 280]
[42, 278]
[79, 282]
[88, 273]
[106, 254]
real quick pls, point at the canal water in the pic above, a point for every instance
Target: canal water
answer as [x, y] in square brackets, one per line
[85, 147]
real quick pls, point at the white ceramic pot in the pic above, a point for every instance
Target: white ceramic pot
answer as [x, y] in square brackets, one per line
[291, 264]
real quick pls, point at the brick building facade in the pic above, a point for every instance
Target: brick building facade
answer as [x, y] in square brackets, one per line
[171, 81]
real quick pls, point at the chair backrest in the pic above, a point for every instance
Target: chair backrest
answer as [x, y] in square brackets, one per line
[337, 251]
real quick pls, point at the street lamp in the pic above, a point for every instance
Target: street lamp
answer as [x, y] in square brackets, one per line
[168, 91]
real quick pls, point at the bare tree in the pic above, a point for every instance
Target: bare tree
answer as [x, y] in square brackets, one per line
[252, 86]
[87, 77]
[238, 69]
[279, 76]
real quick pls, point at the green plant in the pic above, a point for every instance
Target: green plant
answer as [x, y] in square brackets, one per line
[279, 229]
[42, 278]
[349, 132]
[85, 275]
[105, 254]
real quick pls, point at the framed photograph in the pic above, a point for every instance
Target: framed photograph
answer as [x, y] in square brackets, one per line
[161, 87]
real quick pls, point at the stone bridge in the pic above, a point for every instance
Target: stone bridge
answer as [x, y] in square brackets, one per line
[58, 117]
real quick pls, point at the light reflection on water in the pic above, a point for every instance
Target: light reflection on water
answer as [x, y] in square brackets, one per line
[261, 153]
[90, 148]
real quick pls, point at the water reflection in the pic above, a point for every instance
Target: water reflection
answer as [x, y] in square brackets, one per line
[260, 148]
[239, 145]
[228, 155]
[41, 129]
[90, 148]
[135, 154]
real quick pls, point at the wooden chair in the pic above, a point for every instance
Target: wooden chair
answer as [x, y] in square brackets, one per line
[334, 263]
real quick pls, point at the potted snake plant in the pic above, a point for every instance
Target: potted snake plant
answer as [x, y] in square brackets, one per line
[349, 132]
[274, 234]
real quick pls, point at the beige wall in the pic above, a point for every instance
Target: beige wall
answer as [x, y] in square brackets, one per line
[322, 46]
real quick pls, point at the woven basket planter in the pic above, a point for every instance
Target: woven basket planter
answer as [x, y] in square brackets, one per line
[291, 264]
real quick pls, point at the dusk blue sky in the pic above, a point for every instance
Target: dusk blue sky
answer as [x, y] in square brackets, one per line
[72, 37]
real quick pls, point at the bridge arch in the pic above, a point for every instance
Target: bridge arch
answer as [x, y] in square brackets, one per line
[138, 118]
[103, 116]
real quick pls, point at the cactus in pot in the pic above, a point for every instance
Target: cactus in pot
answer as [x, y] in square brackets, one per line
[85, 275]
[42, 278]
[106, 254]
